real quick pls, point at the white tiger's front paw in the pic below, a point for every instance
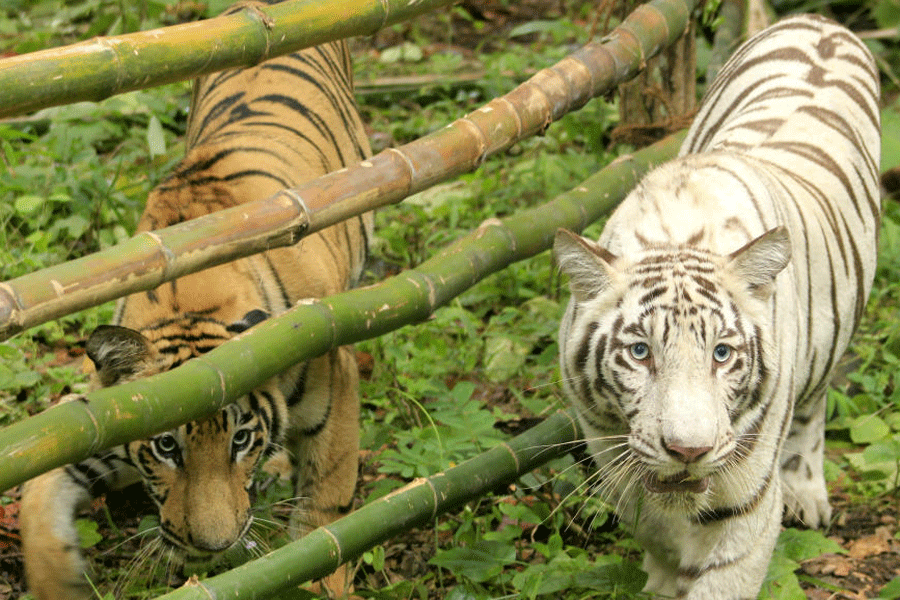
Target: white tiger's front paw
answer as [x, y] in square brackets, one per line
[806, 499]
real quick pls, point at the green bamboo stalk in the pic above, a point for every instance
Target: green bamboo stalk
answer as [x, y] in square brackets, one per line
[324, 549]
[102, 67]
[150, 259]
[104, 418]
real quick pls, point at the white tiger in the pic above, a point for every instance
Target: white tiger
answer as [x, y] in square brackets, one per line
[706, 321]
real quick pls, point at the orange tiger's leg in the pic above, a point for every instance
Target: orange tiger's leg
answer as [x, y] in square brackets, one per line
[326, 453]
[54, 566]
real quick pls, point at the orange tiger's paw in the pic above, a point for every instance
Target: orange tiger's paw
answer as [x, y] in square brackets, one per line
[54, 567]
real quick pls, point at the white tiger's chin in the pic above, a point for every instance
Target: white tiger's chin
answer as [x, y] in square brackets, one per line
[678, 483]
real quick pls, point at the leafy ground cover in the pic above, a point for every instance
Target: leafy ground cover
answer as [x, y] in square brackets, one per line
[481, 369]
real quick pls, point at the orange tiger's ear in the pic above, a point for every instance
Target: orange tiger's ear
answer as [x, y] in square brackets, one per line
[250, 319]
[588, 265]
[761, 260]
[119, 353]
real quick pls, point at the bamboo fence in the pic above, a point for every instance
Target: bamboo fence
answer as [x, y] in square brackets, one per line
[321, 551]
[103, 67]
[72, 431]
[104, 418]
[152, 258]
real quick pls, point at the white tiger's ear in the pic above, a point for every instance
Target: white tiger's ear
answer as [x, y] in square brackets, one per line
[119, 353]
[758, 262]
[588, 265]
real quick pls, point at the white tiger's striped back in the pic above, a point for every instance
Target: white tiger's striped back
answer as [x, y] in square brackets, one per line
[802, 99]
[707, 319]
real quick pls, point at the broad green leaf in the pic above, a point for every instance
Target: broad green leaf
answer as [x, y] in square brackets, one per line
[798, 545]
[478, 562]
[405, 52]
[87, 533]
[531, 27]
[626, 577]
[8, 352]
[887, 451]
[462, 391]
[867, 429]
[890, 138]
[461, 593]
[25, 205]
[504, 356]
[891, 591]
[784, 584]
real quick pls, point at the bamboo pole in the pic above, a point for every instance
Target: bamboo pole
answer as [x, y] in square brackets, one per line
[322, 550]
[152, 258]
[72, 431]
[102, 67]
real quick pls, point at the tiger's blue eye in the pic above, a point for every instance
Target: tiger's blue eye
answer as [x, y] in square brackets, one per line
[639, 351]
[722, 353]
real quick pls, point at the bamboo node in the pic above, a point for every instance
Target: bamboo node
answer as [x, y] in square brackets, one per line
[304, 214]
[481, 139]
[268, 24]
[83, 401]
[515, 114]
[410, 169]
[11, 308]
[168, 255]
[337, 546]
[514, 456]
[542, 93]
[194, 582]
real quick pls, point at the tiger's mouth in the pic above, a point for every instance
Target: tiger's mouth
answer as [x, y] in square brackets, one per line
[679, 482]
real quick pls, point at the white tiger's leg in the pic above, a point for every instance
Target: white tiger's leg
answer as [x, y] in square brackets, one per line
[720, 560]
[802, 474]
[661, 575]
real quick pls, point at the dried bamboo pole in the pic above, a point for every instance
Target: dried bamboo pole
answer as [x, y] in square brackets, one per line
[324, 549]
[153, 258]
[104, 418]
[103, 67]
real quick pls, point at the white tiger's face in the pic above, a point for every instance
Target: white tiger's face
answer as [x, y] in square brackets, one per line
[662, 356]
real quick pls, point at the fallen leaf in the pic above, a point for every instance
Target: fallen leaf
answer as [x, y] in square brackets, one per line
[869, 545]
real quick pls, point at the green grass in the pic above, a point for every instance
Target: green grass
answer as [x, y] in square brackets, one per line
[75, 179]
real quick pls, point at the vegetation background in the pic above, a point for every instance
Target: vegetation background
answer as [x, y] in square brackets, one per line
[74, 180]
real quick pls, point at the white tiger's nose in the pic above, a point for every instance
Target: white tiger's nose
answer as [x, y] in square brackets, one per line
[690, 423]
[686, 454]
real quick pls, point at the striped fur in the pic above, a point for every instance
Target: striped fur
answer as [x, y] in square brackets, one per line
[252, 132]
[706, 321]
